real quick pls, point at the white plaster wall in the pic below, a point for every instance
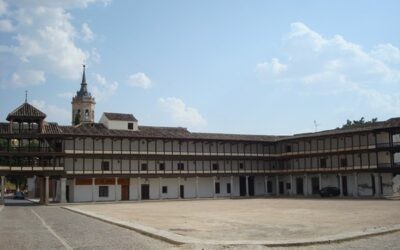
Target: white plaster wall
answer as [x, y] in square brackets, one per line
[364, 184]
[259, 185]
[83, 193]
[207, 189]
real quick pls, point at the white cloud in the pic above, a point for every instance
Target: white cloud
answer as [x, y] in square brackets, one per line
[6, 25]
[3, 7]
[53, 112]
[140, 80]
[332, 65]
[87, 33]
[103, 89]
[387, 52]
[27, 78]
[181, 114]
[42, 36]
[272, 68]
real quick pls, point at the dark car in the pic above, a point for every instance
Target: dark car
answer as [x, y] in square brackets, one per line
[19, 196]
[329, 191]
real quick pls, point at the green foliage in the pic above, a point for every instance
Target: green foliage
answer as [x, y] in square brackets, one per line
[359, 123]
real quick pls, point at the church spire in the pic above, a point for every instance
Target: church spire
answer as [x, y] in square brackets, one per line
[83, 91]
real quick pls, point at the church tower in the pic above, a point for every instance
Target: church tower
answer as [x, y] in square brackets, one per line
[83, 104]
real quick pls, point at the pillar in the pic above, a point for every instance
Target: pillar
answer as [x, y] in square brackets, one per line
[231, 194]
[197, 187]
[179, 187]
[277, 185]
[46, 190]
[355, 188]
[139, 189]
[320, 181]
[291, 186]
[247, 186]
[63, 190]
[377, 184]
[115, 189]
[159, 188]
[306, 193]
[93, 189]
[3, 179]
[214, 187]
[340, 185]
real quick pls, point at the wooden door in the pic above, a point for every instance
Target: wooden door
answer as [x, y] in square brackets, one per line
[125, 192]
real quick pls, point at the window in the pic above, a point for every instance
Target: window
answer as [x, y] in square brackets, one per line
[269, 186]
[164, 189]
[215, 166]
[143, 167]
[181, 166]
[161, 166]
[288, 148]
[288, 186]
[130, 125]
[105, 166]
[217, 188]
[322, 162]
[228, 188]
[103, 191]
[241, 165]
[343, 162]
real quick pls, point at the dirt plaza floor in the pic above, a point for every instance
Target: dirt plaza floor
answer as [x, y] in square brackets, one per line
[255, 219]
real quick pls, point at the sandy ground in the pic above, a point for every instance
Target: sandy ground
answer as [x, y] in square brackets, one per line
[256, 219]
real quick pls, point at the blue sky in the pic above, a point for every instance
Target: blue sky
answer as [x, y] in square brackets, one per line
[256, 67]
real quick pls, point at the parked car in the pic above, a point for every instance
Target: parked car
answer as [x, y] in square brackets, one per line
[329, 192]
[18, 196]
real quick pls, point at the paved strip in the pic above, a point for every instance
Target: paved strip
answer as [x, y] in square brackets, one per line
[65, 244]
[180, 240]
[50, 227]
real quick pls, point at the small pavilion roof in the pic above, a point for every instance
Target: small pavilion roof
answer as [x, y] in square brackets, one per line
[26, 111]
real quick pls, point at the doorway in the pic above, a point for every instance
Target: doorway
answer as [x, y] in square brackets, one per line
[281, 187]
[124, 192]
[251, 185]
[145, 191]
[182, 191]
[299, 186]
[242, 185]
[315, 185]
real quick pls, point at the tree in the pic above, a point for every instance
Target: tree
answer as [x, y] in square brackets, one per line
[359, 123]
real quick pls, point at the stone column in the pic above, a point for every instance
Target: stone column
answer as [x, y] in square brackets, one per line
[139, 189]
[355, 188]
[46, 190]
[93, 189]
[377, 185]
[197, 187]
[115, 189]
[63, 190]
[179, 187]
[265, 185]
[214, 194]
[277, 185]
[306, 193]
[159, 188]
[247, 186]
[320, 181]
[291, 186]
[231, 194]
[3, 179]
[340, 185]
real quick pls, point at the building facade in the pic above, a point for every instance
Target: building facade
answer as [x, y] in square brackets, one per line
[118, 159]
